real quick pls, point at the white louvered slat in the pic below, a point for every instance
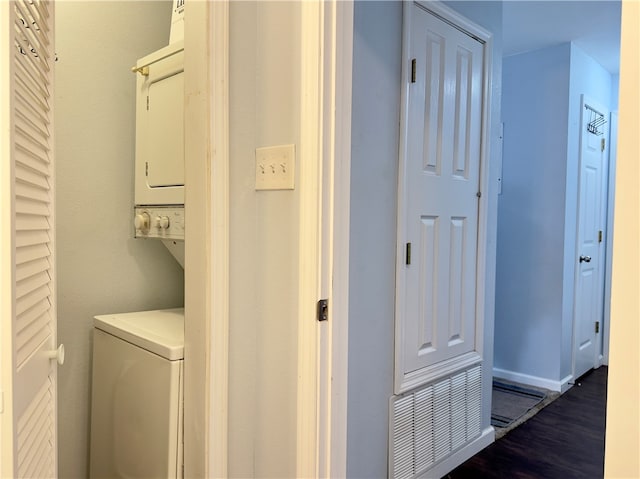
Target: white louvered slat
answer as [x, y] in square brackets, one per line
[31, 253]
[33, 327]
[424, 428]
[458, 410]
[30, 143]
[27, 108]
[29, 300]
[31, 283]
[29, 66]
[29, 25]
[39, 12]
[31, 338]
[442, 419]
[31, 206]
[32, 161]
[35, 433]
[28, 87]
[32, 268]
[32, 315]
[403, 438]
[31, 177]
[31, 128]
[30, 45]
[32, 237]
[433, 421]
[25, 190]
[30, 223]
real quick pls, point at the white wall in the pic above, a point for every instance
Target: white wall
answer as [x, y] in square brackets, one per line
[538, 209]
[264, 111]
[374, 176]
[101, 268]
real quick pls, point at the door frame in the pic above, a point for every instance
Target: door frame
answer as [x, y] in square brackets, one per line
[206, 240]
[404, 382]
[611, 188]
[325, 154]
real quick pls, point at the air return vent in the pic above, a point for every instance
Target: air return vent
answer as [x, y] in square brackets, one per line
[431, 422]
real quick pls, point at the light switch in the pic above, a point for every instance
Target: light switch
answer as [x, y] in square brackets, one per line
[275, 167]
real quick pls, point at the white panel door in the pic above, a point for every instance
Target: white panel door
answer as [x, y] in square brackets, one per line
[442, 181]
[29, 442]
[589, 285]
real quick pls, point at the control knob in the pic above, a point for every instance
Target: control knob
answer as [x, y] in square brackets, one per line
[162, 222]
[141, 221]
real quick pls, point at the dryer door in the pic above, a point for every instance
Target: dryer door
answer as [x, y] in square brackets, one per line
[159, 171]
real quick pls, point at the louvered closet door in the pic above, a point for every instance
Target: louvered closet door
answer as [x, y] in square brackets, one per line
[28, 306]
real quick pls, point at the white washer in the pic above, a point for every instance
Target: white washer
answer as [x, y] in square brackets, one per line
[136, 407]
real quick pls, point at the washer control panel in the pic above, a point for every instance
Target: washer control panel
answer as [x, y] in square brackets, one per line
[166, 222]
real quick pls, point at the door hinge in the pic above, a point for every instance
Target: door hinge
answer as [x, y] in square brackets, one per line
[323, 310]
[597, 327]
[407, 255]
[600, 236]
[146, 168]
[147, 102]
[413, 70]
[602, 144]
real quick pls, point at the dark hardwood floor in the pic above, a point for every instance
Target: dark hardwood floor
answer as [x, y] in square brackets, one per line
[565, 440]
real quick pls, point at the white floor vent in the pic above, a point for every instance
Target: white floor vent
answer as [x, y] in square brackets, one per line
[430, 423]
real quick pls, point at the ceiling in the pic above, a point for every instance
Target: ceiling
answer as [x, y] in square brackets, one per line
[594, 26]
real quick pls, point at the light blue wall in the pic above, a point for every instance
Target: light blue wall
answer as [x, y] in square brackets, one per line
[530, 214]
[538, 207]
[377, 54]
[615, 80]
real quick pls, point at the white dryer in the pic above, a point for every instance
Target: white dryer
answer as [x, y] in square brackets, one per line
[136, 407]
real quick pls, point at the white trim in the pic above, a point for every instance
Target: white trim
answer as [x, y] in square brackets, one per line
[7, 442]
[402, 381]
[206, 241]
[551, 384]
[339, 163]
[486, 438]
[219, 241]
[613, 155]
[310, 184]
[325, 152]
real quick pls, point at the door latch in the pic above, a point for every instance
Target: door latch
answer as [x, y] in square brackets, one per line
[323, 310]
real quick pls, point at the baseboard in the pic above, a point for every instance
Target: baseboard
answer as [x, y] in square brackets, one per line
[454, 460]
[553, 385]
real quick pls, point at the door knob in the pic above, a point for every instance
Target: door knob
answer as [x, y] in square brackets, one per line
[586, 259]
[57, 354]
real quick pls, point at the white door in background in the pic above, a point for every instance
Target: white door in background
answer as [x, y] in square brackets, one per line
[441, 202]
[589, 286]
[28, 329]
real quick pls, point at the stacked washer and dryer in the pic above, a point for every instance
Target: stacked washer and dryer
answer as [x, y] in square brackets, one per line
[137, 383]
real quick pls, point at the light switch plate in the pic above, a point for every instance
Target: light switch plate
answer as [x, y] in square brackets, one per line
[275, 167]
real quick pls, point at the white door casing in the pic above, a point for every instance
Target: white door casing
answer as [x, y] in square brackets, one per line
[439, 201]
[27, 254]
[589, 280]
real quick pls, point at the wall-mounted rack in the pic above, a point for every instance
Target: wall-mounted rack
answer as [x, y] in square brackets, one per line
[596, 121]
